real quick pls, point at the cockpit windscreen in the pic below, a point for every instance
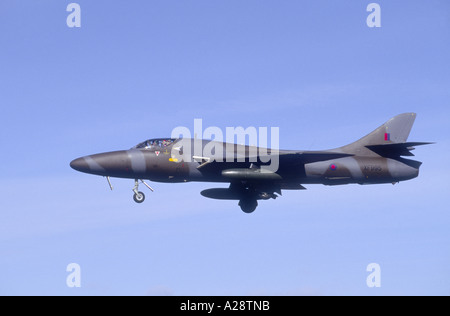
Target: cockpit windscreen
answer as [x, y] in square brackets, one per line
[157, 143]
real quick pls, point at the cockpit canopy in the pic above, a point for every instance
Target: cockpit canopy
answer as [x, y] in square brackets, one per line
[156, 143]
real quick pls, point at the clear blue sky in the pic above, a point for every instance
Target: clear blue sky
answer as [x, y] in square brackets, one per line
[137, 69]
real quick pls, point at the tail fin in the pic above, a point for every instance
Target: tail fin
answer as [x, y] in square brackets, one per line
[394, 131]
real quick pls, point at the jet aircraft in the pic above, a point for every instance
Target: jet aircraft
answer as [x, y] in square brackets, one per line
[374, 159]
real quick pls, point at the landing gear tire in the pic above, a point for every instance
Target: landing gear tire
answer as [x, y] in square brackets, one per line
[139, 197]
[248, 205]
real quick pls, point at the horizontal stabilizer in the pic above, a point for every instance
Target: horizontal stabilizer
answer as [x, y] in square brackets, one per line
[396, 149]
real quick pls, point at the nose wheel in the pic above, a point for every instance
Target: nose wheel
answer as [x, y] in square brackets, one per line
[138, 196]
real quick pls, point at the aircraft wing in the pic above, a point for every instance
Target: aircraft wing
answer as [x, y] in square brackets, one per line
[286, 158]
[301, 158]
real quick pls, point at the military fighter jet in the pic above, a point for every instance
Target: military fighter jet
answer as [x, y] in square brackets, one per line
[373, 159]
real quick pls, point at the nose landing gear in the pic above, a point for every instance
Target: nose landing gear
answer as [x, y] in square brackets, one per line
[138, 196]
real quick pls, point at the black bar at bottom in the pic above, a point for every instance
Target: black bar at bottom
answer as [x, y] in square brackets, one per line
[213, 305]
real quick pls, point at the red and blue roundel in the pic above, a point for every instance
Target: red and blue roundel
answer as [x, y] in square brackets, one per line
[333, 167]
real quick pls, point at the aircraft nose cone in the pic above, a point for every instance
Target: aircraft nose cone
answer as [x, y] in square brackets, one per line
[113, 164]
[80, 164]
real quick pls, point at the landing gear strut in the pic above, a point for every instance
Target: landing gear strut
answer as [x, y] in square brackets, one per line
[138, 196]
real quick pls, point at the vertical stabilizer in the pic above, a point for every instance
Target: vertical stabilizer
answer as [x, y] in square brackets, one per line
[394, 131]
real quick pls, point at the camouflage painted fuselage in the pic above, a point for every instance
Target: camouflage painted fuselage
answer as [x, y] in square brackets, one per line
[159, 166]
[258, 173]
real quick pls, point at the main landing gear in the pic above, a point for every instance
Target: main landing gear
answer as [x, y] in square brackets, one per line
[139, 196]
[248, 205]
